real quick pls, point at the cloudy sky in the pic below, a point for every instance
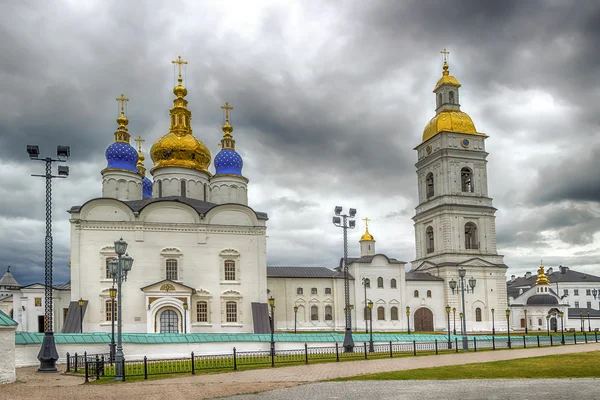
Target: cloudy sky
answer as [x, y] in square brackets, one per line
[330, 99]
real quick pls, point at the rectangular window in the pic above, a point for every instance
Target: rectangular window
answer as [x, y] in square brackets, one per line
[313, 291]
[589, 304]
[108, 275]
[172, 270]
[202, 311]
[231, 311]
[566, 292]
[588, 292]
[327, 290]
[576, 304]
[230, 270]
[108, 310]
[38, 301]
[575, 292]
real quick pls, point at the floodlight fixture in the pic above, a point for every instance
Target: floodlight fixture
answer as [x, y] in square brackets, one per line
[63, 171]
[33, 151]
[337, 210]
[337, 220]
[63, 152]
[352, 212]
[352, 224]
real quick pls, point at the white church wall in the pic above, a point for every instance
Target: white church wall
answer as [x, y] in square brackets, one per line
[7, 354]
[429, 295]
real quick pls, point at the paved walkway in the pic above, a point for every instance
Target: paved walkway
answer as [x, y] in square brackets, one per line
[58, 386]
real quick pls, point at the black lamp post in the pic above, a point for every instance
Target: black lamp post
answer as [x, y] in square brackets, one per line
[525, 311]
[508, 326]
[454, 320]
[408, 318]
[365, 283]
[448, 314]
[589, 324]
[185, 308]
[48, 354]
[594, 293]
[460, 317]
[562, 327]
[295, 317]
[113, 293]
[493, 323]
[119, 271]
[548, 323]
[272, 306]
[462, 288]
[370, 305]
[581, 319]
[346, 221]
[556, 324]
[80, 303]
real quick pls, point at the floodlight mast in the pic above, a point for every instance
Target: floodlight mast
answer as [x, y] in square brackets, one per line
[345, 221]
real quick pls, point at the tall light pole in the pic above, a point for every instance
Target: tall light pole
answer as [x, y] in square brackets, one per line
[562, 327]
[366, 282]
[408, 318]
[346, 221]
[370, 308]
[508, 326]
[581, 318]
[589, 324]
[119, 270]
[526, 331]
[80, 303]
[548, 324]
[493, 323]
[448, 314]
[462, 288]
[185, 308]
[454, 322]
[295, 317]
[48, 354]
[272, 306]
[112, 346]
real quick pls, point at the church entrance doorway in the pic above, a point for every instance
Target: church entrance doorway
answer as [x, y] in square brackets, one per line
[423, 320]
[553, 324]
[169, 322]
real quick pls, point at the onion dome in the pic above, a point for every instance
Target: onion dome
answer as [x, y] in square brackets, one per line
[542, 279]
[366, 236]
[179, 148]
[446, 78]
[228, 161]
[146, 188]
[146, 183]
[449, 121]
[121, 155]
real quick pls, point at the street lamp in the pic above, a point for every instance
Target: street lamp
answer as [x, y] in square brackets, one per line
[370, 305]
[548, 323]
[408, 318]
[525, 311]
[346, 221]
[272, 306]
[113, 293]
[295, 317]
[448, 314]
[462, 288]
[594, 293]
[48, 354]
[366, 282]
[493, 323]
[581, 319]
[562, 327]
[185, 308]
[454, 320]
[508, 326]
[119, 271]
[589, 324]
[80, 303]
[460, 316]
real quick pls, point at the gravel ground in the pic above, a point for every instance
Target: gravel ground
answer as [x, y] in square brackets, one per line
[518, 389]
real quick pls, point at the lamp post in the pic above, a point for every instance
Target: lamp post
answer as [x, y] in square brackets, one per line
[48, 354]
[493, 323]
[526, 332]
[460, 316]
[272, 306]
[556, 324]
[581, 319]
[295, 317]
[80, 303]
[408, 318]
[562, 327]
[185, 308]
[548, 323]
[346, 221]
[448, 314]
[113, 293]
[454, 320]
[453, 285]
[594, 293]
[589, 324]
[365, 282]
[508, 326]
[371, 323]
[119, 271]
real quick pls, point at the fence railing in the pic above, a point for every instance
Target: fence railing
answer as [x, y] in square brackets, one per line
[99, 365]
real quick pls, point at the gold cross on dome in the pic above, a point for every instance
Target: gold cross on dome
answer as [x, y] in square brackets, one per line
[445, 53]
[227, 108]
[367, 221]
[179, 62]
[139, 141]
[122, 100]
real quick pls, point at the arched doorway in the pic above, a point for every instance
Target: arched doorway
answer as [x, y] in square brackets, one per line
[553, 324]
[169, 321]
[423, 320]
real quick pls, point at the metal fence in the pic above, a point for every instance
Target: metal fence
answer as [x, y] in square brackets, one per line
[99, 365]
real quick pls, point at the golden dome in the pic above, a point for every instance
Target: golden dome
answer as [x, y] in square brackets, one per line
[366, 236]
[450, 121]
[542, 278]
[446, 79]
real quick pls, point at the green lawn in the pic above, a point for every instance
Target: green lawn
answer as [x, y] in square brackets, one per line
[580, 365]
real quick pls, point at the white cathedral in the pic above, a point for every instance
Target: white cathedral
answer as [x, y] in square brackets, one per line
[201, 256]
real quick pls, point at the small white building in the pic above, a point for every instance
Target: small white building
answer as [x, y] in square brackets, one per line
[7, 349]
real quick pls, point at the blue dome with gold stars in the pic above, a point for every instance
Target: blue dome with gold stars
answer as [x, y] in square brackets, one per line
[228, 162]
[122, 155]
[146, 188]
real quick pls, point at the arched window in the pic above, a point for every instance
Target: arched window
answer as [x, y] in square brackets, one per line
[394, 313]
[380, 282]
[229, 270]
[367, 282]
[471, 241]
[314, 313]
[171, 269]
[393, 284]
[108, 310]
[109, 260]
[466, 179]
[183, 188]
[380, 314]
[328, 313]
[416, 293]
[313, 290]
[439, 99]
[451, 97]
[478, 314]
[299, 291]
[429, 185]
[202, 311]
[429, 293]
[429, 239]
[231, 311]
[159, 186]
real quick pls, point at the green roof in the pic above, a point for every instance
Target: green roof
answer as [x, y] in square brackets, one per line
[5, 320]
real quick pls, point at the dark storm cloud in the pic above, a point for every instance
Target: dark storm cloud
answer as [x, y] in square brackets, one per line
[321, 121]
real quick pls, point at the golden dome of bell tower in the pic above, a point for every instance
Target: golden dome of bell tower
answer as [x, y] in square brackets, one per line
[367, 241]
[179, 147]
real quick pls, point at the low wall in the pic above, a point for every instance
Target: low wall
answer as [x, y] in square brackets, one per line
[7, 354]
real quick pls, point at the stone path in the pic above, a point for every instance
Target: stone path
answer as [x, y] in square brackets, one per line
[57, 386]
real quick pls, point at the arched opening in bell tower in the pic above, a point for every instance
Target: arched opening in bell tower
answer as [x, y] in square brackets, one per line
[429, 183]
[466, 178]
[429, 239]
[471, 241]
